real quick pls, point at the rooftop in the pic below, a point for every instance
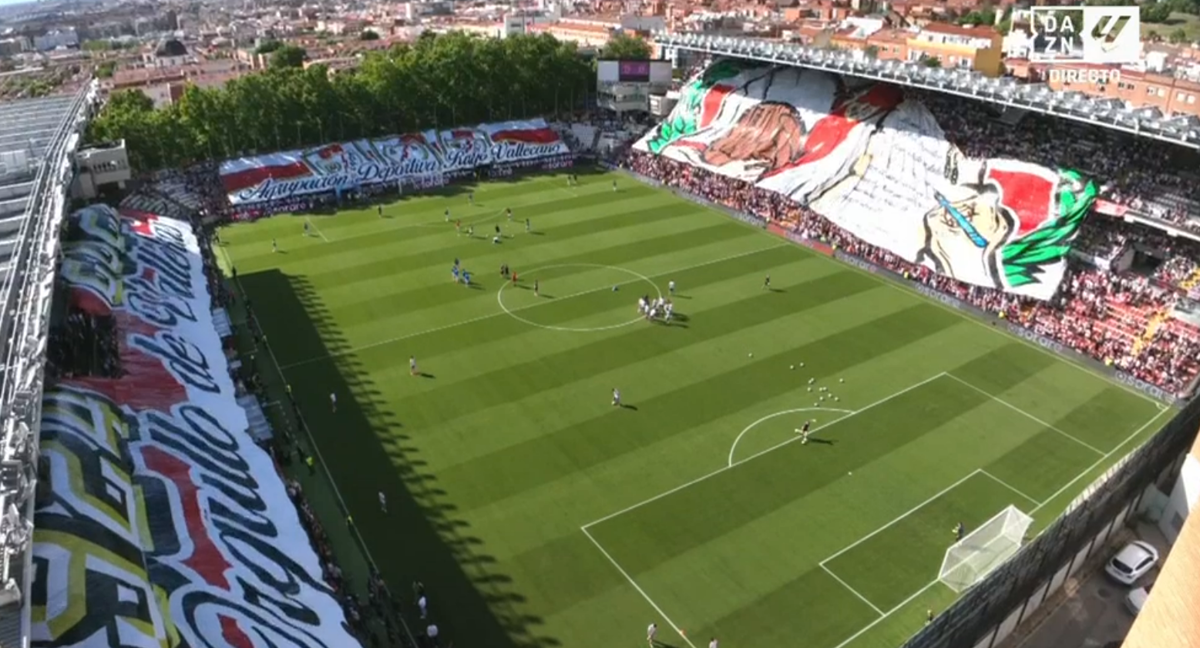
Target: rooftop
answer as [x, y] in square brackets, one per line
[956, 30]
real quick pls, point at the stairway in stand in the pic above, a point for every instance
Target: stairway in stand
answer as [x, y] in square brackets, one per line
[1192, 281]
[1152, 327]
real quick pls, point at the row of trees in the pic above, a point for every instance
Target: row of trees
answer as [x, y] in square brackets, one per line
[436, 82]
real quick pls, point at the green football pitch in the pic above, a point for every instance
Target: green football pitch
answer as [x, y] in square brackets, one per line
[538, 514]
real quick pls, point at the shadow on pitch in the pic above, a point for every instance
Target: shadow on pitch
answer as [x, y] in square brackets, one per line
[368, 451]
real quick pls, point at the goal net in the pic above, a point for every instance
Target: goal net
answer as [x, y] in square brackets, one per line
[983, 549]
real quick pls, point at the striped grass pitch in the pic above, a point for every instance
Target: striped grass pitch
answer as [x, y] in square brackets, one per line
[537, 514]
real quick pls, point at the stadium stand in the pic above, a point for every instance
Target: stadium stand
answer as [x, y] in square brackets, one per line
[37, 142]
[178, 398]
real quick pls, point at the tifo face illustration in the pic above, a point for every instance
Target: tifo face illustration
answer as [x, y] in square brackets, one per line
[768, 136]
[962, 237]
[330, 160]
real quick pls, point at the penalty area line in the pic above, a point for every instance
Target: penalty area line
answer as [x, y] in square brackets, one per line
[637, 587]
[887, 614]
[1029, 416]
[1099, 461]
[853, 591]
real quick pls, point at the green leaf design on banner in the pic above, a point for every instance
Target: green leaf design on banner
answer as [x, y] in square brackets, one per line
[684, 120]
[1025, 259]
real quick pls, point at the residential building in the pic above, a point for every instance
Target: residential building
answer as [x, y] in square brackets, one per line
[1168, 618]
[889, 44]
[587, 33]
[968, 48]
[1167, 93]
[14, 45]
[55, 39]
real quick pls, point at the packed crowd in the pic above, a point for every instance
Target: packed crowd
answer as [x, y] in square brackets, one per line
[1084, 317]
[330, 571]
[83, 345]
[1136, 171]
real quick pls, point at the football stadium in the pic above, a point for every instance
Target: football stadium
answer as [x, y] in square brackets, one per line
[822, 357]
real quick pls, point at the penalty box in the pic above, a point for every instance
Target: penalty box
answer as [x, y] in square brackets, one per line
[788, 536]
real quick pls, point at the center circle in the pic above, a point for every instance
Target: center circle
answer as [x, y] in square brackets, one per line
[637, 277]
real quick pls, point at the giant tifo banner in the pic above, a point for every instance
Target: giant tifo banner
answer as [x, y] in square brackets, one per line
[165, 525]
[880, 167]
[389, 159]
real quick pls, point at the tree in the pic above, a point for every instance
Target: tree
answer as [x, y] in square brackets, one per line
[368, 35]
[1178, 36]
[435, 82]
[626, 47]
[1191, 7]
[268, 47]
[1155, 12]
[931, 62]
[984, 16]
[288, 56]
[871, 51]
[105, 70]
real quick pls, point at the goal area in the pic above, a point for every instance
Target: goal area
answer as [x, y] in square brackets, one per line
[983, 549]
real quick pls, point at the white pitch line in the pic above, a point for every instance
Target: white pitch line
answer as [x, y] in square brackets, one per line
[1099, 461]
[886, 615]
[481, 318]
[768, 417]
[756, 455]
[638, 588]
[1035, 510]
[853, 591]
[362, 542]
[1008, 486]
[907, 289]
[317, 229]
[901, 517]
[1030, 416]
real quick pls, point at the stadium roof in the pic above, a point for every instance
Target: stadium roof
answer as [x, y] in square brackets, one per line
[27, 128]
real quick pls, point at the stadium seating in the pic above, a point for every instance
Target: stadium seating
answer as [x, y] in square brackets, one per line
[93, 360]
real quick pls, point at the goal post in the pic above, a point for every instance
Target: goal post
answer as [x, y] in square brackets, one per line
[983, 549]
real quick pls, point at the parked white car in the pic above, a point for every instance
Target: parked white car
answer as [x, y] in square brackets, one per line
[1135, 600]
[1132, 562]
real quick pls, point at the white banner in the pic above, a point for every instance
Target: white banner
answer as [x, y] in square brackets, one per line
[880, 167]
[167, 525]
[345, 165]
